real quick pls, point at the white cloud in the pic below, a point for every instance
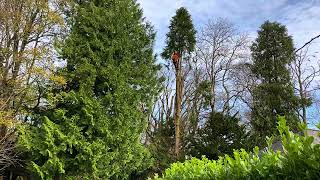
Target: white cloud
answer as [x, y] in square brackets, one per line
[302, 21]
[301, 17]
[159, 14]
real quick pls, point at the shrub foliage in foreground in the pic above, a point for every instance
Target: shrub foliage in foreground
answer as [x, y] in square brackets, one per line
[300, 160]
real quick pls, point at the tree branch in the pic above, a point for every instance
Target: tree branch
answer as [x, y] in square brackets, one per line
[307, 43]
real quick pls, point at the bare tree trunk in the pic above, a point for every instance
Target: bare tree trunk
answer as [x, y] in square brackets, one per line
[213, 94]
[177, 114]
[3, 131]
[303, 96]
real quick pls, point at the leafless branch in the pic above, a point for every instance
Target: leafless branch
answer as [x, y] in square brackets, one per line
[307, 43]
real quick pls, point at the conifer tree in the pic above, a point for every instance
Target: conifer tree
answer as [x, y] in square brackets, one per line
[180, 39]
[272, 52]
[91, 128]
[219, 135]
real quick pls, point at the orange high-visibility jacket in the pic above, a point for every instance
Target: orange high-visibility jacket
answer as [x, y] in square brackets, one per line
[175, 57]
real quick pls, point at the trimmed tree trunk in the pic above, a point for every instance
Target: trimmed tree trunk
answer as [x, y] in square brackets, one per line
[177, 114]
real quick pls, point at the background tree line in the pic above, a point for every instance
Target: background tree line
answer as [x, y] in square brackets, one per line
[234, 88]
[82, 94]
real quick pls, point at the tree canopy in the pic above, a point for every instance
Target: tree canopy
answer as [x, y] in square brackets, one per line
[92, 126]
[272, 52]
[181, 35]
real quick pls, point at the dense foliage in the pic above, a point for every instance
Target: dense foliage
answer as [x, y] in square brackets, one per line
[82, 95]
[272, 52]
[181, 35]
[219, 135]
[91, 128]
[300, 159]
[162, 146]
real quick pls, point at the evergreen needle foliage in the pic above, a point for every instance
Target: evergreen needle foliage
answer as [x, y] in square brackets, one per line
[272, 52]
[92, 127]
[219, 135]
[181, 36]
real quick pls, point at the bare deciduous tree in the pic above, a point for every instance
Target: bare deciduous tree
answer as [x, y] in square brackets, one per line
[220, 47]
[304, 73]
[28, 29]
[8, 154]
[27, 32]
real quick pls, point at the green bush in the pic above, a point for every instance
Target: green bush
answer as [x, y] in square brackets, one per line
[300, 159]
[219, 135]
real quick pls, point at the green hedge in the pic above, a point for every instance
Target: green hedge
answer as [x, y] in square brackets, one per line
[300, 160]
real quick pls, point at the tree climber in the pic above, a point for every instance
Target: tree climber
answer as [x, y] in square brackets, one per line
[175, 59]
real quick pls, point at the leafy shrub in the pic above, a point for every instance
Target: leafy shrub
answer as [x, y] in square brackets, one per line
[219, 135]
[300, 159]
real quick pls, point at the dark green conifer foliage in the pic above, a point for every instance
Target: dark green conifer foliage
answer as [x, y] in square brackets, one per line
[272, 52]
[92, 128]
[219, 135]
[181, 35]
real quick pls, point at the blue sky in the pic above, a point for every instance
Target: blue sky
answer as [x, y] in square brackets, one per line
[302, 18]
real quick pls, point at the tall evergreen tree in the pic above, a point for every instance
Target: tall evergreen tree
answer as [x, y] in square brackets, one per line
[91, 128]
[272, 52]
[181, 35]
[180, 39]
